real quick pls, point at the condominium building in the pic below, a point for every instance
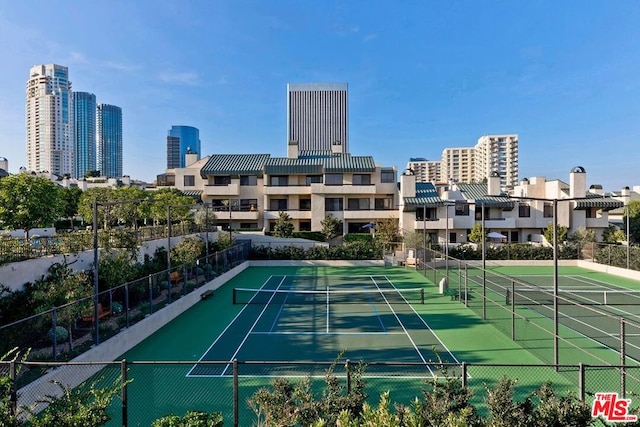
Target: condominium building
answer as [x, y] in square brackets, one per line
[109, 140]
[497, 153]
[180, 140]
[457, 164]
[317, 115]
[425, 170]
[84, 113]
[49, 120]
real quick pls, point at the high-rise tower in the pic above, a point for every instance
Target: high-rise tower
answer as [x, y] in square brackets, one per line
[181, 139]
[84, 114]
[109, 140]
[497, 153]
[317, 116]
[49, 120]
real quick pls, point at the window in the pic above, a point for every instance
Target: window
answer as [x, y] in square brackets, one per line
[387, 176]
[251, 180]
[314, 179]
[430, 214]
[592, 212]
[250, 205]
[245, 225]
[361, 179]
[189, 180]
[333, 204]
[360, 204]
[279, 180]
[462, 209]
[384, 203]
[524, 210]
[221, 180]
[278, 205]
[305, 225]
[514, 237]
[305, 204]
[453, 237]
[333, 179]
[547, 210]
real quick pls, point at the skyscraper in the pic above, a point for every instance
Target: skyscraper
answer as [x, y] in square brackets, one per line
[109, 140]
[84, 113]
[49, 121]
[179, 140]
[317, 115]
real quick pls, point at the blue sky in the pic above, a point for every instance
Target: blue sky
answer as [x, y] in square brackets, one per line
[422, 75]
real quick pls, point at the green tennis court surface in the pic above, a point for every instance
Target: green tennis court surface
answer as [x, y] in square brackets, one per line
[314, 318]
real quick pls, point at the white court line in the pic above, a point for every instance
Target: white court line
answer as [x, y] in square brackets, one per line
[327, 309]
[422, 320]
[273, 294]
[227, 327]
[402, 325]
[325, 333]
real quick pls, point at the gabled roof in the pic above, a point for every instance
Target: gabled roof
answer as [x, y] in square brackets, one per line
[235, 164]
[426, 195]
[477, 193]
[598, 201]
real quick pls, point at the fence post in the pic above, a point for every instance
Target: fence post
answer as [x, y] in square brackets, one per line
[126, 303]
[513, 310]
[581, 385]
[151, 295]
[464, 375]
[347, 367]
[13, 389]
[125, 409]
[54, 330]
[235, 393]
[623, 359]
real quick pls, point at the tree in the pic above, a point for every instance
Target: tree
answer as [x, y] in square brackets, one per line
[203, 215]
[331, 227]
[70, 199]
[634, 220]
[583, 236]
[284, 226]
[475, 235]
[562, 233]
[173, 197]
[28, 201]
[103, 196]
[188, 251]
[613, 235]
[387, 230]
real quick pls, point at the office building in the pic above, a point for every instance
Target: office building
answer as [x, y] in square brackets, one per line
[84, 113]
[49, 120]
[180, 141]
[497, 153]
[317, 116]
[109, 140]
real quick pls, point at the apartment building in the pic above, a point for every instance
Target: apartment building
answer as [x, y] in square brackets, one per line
[250, 190]
[521, 215]
[457, 164]
[496, 153]
[425, 170]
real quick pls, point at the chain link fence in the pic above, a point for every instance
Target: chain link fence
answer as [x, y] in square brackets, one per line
[153, 389]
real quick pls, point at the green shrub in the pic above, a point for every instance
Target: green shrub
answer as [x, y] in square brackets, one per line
[190, 419]
[61, 335]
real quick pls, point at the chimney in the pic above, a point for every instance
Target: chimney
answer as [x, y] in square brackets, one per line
[493, 184]
[336, 147]
[190, 158]
[407, 184]
[292, 150]
[578, 182]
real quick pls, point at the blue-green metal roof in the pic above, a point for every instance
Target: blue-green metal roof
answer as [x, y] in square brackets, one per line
[235, 164]
[426, 195]
[477, 193]
[317, 162]
[598, 201]
[195, 194]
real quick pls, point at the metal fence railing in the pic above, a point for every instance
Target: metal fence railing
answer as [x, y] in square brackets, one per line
[62, 333]
[154, 389]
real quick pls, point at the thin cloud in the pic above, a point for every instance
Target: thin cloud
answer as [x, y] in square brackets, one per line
[370, 37]
[189, 78]
[119, 66]
[345, 30]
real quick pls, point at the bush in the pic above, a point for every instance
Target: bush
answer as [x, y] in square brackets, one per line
[61, 335]
[190, 419]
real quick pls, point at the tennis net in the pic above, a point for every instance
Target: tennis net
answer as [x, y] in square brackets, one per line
[327, 296]
[531, 296]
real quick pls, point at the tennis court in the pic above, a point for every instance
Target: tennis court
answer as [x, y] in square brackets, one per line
[315, 318]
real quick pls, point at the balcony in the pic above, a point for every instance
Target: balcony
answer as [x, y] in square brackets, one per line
[319, 188]
[286, 189]
[499, 223]
[370, 214]
[232, 189]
